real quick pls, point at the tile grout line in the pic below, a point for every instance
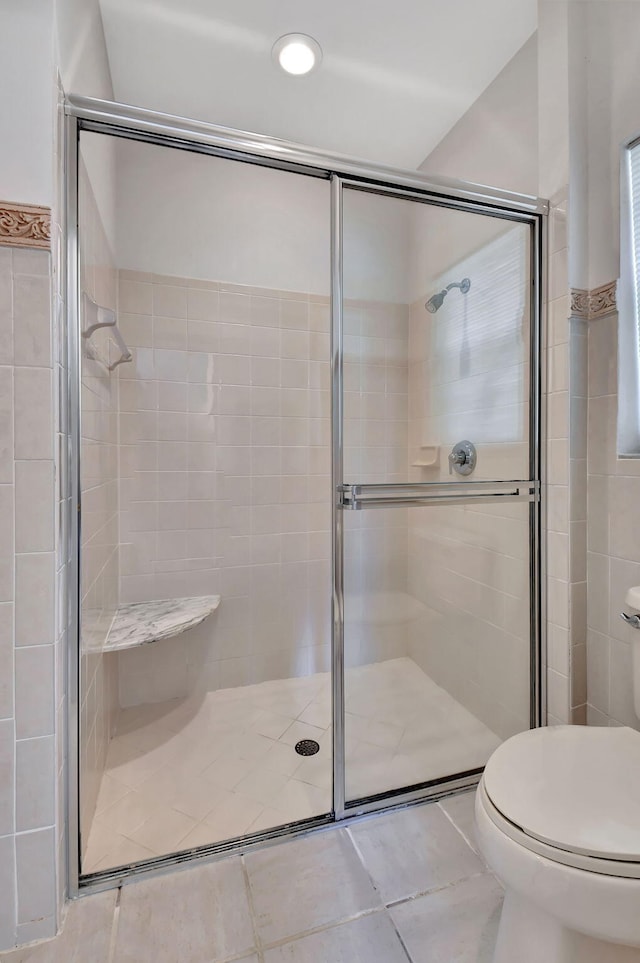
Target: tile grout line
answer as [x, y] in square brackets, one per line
[408, 899]
[431, 892]
[456, 827]
[114, 927]
[385, 905]
[252, 910]
[400, 939]
[241, 957]
[363, 914]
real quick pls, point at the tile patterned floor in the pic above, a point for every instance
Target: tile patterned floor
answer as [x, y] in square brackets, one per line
[196, 771]
[405, 887]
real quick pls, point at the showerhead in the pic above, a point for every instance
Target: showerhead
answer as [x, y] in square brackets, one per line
[435, 301]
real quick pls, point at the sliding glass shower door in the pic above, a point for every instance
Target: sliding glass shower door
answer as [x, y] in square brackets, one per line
[438, 488]
[307, 563]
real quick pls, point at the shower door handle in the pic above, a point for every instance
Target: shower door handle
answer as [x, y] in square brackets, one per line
[357, 497]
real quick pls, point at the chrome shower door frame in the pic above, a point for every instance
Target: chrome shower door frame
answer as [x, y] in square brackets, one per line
[530, 490]
[121, 120]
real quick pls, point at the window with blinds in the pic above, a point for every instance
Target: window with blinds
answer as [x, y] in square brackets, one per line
[479, 344]
[628, 297]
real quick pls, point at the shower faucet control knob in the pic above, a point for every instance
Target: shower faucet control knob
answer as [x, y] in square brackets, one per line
[462, 458]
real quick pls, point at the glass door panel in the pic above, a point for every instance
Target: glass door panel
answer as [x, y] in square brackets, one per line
[437, 643]
[437, 575]
[436, 319]
[205, 487]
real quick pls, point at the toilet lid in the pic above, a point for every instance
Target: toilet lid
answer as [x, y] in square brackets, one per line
[574, 787]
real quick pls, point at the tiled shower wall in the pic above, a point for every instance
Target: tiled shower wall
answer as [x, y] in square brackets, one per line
[224, 430]
[99, 487]
[468, 565]
[377, 606]
[28, 783]
[225, 462]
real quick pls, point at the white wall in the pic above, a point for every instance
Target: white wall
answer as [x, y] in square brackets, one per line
[37, 37]
[26, 107]
[201, 217]
[496, 141]
[614, 117]
[81, 52]
[83, 64]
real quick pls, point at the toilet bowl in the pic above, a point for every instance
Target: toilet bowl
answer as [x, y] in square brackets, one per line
[558, 821]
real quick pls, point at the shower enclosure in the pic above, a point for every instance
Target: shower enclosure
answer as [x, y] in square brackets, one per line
[305, 434]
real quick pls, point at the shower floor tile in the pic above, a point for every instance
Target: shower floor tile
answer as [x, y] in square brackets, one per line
[222, 764]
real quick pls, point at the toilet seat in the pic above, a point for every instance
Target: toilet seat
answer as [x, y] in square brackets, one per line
[570, 793]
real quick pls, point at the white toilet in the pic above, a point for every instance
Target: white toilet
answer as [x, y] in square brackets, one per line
[558, 821]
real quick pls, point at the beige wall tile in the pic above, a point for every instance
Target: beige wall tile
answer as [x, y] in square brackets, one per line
[578, 542]
[621, 705]
[6, 660]
[203, 305]
[170, 301]
[26, 432]
[578, 489]
[35, 864]
[33, 416]
[6, 425]
[558, 376]
[578, 675]
[35, 691]
[32, 324]
[598, 671]
[598, 596]
[558, 648]
[625, 496]
[35, 576]
[603, 357]
[7, 763]
[578, 612]
[34, 506]
[558, 555]
[7, 885]
[31, 262]
[35, 784]
[598, 514]
[558, 695]
[135, 297]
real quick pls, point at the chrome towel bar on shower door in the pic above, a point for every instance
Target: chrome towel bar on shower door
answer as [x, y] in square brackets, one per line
[357, 497]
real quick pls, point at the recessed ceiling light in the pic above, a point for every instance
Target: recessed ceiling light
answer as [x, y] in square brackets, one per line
[297, 54]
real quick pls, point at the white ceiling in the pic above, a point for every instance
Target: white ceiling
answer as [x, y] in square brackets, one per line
[395, 76]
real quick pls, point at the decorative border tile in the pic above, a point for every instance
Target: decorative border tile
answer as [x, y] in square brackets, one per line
[590, 305]
[25, 225]
[580, 303]
[603, 300]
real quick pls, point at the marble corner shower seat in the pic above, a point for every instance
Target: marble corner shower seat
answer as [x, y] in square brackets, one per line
[139, 623]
